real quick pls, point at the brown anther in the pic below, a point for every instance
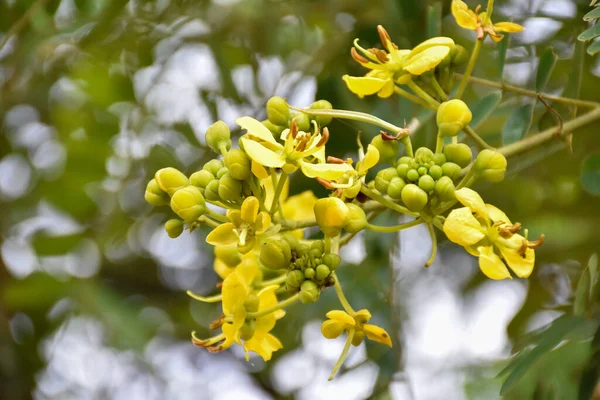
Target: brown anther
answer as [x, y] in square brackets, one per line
[335, 160]
[521, 250]
[219, 285]
[217, 323]
[324, 137]
[302, 145]
[215, 349]
[384, 36]
[534, 244]
[480, 33]
[507, 231]
[387, 136]
[477, 9]
[199, 343]
[357, 57]
[325, 183]
[381, 55]
[293, 129]
[339, 192]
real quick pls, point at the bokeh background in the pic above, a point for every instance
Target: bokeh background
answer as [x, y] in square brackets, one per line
[96, 95]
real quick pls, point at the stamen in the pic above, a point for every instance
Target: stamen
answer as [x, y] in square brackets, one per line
[325, 183]
[536, 243]
[506, 231]
[219, 285]
[384, 36]
[293, 129]
[324, 137]
[357, 57]
[381, 55]
[218, 322]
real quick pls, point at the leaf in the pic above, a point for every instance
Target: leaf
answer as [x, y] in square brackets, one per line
[502, 49]
[518, 124]
[594, 275]
[545, 68]
[582, 294]
[484, 107]
[590, 174]
[549, 339]
[592, 15]
[594, 48]
[55, 245]
[590, 33]
[434, 20]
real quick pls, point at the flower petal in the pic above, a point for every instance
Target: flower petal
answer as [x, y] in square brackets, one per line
[462, 227]
[497, 215]
[340, 316]
[259, 171]
[300, 206]
[377, 334]
[262, 223]
[257, 129]
[522, 265]
[491, 265]
[508, 27]
[426, 60]
[222, 235]
[472, 199]
[364, 86]
[332, 329]
[235, 291]
[330, 172]
[387, 90]
[262, 155]
[249, 209]
[435, 41]
[464, 17]
[369, 161]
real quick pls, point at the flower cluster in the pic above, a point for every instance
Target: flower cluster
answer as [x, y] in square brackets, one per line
[265, 252]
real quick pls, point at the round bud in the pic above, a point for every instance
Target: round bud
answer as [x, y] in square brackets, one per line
[294, 278]
[439, 159]
[322, 105]
[426, 183]
[422, 170]
[275, 254]
[319, 246]
[222, 171]
[277, 111]
[238, 164]
[174, 227]
[213, 166]
[211, 192]
[331, 214]
[170, 180]
[302, 122]
[459, 55]
[229, 189]
[405, 160]
[490, 165]
[402, 170]
[436, 172]
[395, 188]
[309, 273]
[252, 303]
[414, 197]
[383, 178]
[228, 254]
[423, 155]
[356, 220]
[458, 153]
[332, 260]
[292, 241]
[247, 330]
[451, 170]
[218, 137]
[444, 189]
[388, 149]
[322, 272]
[154, 195]
[452, 117]
[309, 292]
[188, 203]
[275, 129]
[201, 178]
[412, 175]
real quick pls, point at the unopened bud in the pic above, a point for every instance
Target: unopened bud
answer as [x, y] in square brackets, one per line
[201, 178]
[388, 149]
[332, 260]
[322, 105]
[426, 183]
[402, 170]
[275, 254]
[459, 55]
[170, 180]
[451, 170]
[331, 214]
[309, 273]
[252, 303]
[322, 272]
[302, 122]
[383, 179]
[395, 188]
[154, 195]
[247, 330]
[222, 171]
[238, 164]
[452, 117]
[436, 172]
[356, 220]
[230, 189]
[439, 159]
[277, 111]
[423, 155]
[318, 245]
[218, 137]
[414, 197]
[213, 166]
[174, 227]
[444, 189]
[211, 192]
[412, 175]
[274, 129]
[188, 203]
[459, 153]
[490, 165]
[309, 292]
[294, 278]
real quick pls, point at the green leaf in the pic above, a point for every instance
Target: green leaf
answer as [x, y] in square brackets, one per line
[594, 48]
[502, 49]
[592, 15]
[590, 174]
[582, 294]
[434, 20]
[518, 124]
[484, 107]
[589, 34]
[545, 68]
[55, 245]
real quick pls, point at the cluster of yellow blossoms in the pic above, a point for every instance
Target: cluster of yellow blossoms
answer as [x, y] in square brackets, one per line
[265, 252]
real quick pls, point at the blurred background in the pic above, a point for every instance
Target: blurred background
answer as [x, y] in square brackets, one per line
[96, 95]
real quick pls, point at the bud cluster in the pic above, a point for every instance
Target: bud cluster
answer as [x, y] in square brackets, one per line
[280, 117]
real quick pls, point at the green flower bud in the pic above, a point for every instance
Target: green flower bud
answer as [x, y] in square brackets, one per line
[292, 241]
[423, 155]
[228, 254]
[170, 180]
[322, 105]
[238, 164]
[383, 178]
[322, 272]
[319, 246]
[275, 129]
[211, 192]
[229, 189]
[309, 292]
[452, 117]
[414, 197]
[188, 203]
[395, 188]
[213, 166]
[252, 303]
[201, 178]
[459, 55]
[422, 170]
[412, 175]
[302, 122]
[445, 62]
[451, 170]
[247, 330]
[302, 249]
[458, 153]
[309, 273]
[332, 260]
[436, 172]
[388, 149]
[222, 171]
[439, 159]
[315, 253]
[405, 160]
[277, 111]
[218, 137]
[444, 189]
[331, 214]
[426, 183]
[356, 219]
[402, 170]
[294, 278]
[174, 227]
[490, 165]
[275, 254]
[154, 195]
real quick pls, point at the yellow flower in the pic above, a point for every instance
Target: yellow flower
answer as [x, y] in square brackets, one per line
[394, 66]
[340, 321]
[478, 21]
[486, 232]
[246, 224]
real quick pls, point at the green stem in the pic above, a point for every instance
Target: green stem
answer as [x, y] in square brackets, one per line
[407, 145]
[386, 202]
[348, 236]
[433, 103]
[293, 225]
[344, 354]
[467, 180]
[22, 22]
[274, 281]
[208, 221]
[433, 245]
[257, 193]
[223, 149]
[219, 204]
[278, 306]
[210, 299]
[327, 244]
[476, 138]
[340, 294]
[278, 190]
[352, 115]
[411, 97]
[217, 216]
[469, 69]
[438, 89]
[488, 11]
[394, 228]
[439, 144]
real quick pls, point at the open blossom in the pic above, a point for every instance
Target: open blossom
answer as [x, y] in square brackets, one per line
[469, 19]
[340, 321]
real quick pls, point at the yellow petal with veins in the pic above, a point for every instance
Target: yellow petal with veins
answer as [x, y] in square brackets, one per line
[508, 27]
[257, 129]
[222, 235]
[426, 60]
[387, 90]
[369, 161]
[249, 209]
[464, 17]
[522, 265]
[496, 215]
[332, 329]
[262, 155]
[436, 41]
[262, 223]
[491, 265]
[364, 86]
[472, 199]
[340, 316]
[330, 172]
[377, 334]
[462, 227]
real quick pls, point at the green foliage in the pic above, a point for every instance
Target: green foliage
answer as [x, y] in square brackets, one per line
[590, 174]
